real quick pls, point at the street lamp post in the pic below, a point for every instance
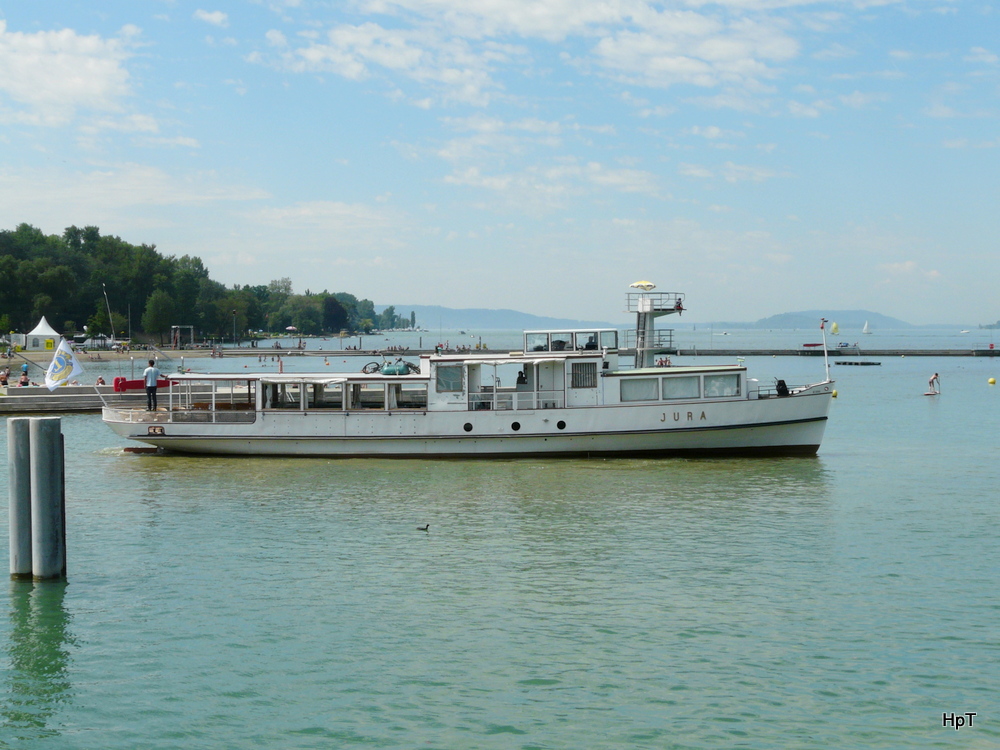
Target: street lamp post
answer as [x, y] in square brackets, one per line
[234, 329]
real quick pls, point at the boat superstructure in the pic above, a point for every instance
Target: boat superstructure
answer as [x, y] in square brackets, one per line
[565, 393]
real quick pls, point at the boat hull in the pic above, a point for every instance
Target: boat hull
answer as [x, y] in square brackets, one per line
[785, 426]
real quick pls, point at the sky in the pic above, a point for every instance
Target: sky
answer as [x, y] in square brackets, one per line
[760, 156]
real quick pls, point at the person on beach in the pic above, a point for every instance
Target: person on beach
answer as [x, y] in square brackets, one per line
[24, 379]
[100, 381]
[3, 378]
[150, 375]
[934, 384]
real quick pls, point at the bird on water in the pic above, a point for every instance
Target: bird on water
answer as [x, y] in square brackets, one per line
[425, 527]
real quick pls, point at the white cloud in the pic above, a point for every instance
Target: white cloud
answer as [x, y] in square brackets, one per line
[329, 215]
[712, 132]
[134, 123]
[458, 47]
[180, 141]
[46, 76]
[729, 171]
[835, 52]
[859, 100]
[275, 38]
[450, 65]
[908, 268]
[123, 195]
[966, 143]
[798, 109]
[981, 55]
[215, 17]
[694, 170]
[744, 173]
[622, 180]
[940, 111]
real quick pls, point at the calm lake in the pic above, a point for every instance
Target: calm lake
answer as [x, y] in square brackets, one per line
[847, 600]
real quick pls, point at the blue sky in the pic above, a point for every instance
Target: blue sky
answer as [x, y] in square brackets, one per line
[761, 156]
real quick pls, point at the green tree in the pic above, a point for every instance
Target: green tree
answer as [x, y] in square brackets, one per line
[159, 314]
[335, 317]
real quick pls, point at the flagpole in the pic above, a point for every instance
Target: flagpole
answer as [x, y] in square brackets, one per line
[826, 354]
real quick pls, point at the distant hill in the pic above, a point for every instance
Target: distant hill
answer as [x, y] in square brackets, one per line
[853, 319]
[433, 316]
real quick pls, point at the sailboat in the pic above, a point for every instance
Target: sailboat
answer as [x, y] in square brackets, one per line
[866, 329]
[835, 329]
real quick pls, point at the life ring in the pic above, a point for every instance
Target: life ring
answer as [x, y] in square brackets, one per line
[991, 346]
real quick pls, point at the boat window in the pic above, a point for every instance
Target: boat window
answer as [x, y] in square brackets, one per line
[408, 396]
[609, 339]
[584, 375]
[367, 396]
[287, 396]
[562, 341]
[536, 342]
[640, 389]
[449, 378]
[720, 386]
[586, 340]
[326, 396]
[685, 387]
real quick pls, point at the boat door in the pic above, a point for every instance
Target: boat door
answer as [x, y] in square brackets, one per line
[551, 384]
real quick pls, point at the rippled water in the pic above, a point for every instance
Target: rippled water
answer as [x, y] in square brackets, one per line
[842, 601]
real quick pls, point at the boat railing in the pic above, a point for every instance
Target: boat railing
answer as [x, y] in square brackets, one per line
[178, 416]
[512, 400]
[778, 390]
[659, 338]
[647, 302]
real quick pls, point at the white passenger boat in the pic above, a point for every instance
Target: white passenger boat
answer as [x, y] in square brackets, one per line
[565, 393]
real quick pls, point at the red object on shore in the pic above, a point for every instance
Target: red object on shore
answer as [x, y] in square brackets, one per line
[120, 385]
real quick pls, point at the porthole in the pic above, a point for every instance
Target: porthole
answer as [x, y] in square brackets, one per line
[468, 426]
[515, 426]
[561, 425]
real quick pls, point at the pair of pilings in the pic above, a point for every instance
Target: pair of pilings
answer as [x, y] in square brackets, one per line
[37, 479]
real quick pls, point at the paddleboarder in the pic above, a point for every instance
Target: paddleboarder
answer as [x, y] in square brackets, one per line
[934, 384]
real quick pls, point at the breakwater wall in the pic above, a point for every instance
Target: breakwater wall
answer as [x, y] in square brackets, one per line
[842, 353]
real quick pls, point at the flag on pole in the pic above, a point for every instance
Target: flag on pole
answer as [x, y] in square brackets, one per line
[64, 366]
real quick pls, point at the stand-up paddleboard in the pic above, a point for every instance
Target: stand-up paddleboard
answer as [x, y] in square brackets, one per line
[933, 393]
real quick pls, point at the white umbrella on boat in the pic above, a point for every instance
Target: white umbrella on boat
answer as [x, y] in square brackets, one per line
[646, 286]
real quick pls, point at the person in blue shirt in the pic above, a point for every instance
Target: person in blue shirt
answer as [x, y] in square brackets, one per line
[150, 375]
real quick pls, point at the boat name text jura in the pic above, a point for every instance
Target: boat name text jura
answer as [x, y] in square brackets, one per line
[563, 394]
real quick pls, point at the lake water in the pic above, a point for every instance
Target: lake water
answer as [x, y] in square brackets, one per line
[844, 601]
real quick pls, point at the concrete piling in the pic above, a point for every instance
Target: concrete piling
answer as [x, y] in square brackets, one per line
[37, 471]
[19, 478]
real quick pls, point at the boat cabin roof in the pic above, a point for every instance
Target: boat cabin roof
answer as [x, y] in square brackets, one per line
[679, 370]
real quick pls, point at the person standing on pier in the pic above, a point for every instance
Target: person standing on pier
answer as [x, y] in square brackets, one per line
[150, 375]
[934, 384]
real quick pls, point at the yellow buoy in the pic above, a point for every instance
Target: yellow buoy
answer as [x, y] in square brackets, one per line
[835, 393]
[992, 381]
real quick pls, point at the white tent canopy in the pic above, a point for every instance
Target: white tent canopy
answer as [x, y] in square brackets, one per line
[44, 329]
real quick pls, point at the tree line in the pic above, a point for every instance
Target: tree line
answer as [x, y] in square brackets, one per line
[75, 278]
